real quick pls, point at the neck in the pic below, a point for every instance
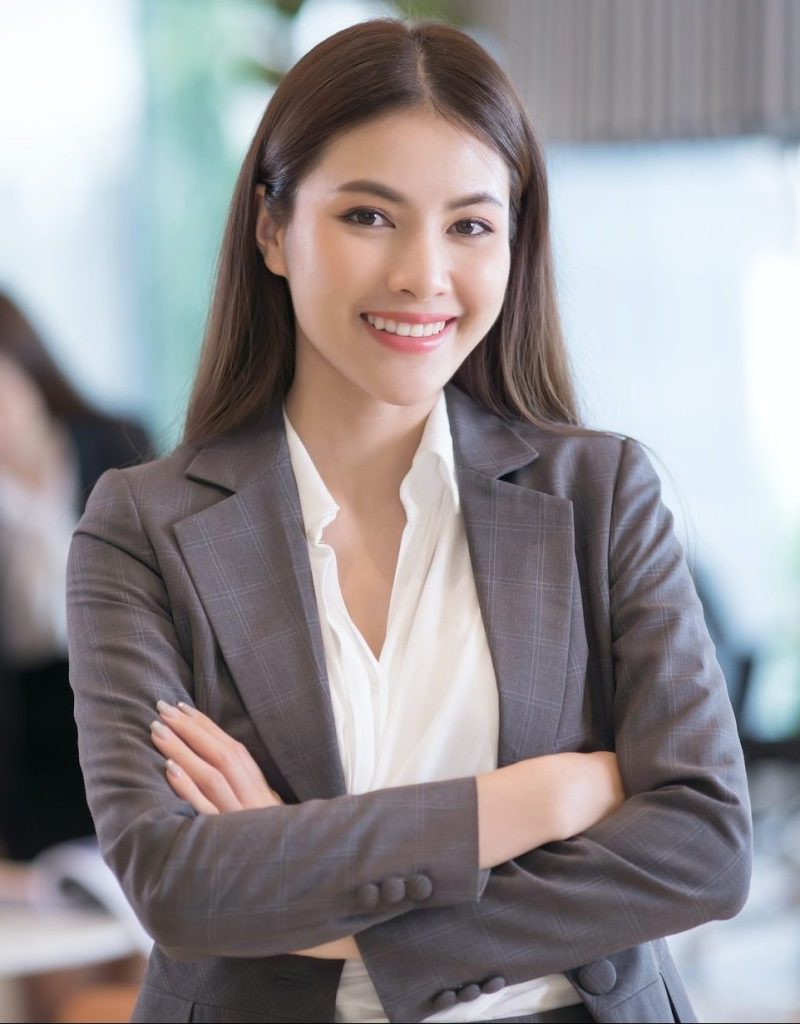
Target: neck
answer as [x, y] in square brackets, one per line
[361, 447]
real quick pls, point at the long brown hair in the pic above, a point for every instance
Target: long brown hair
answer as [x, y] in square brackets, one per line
[520, 369]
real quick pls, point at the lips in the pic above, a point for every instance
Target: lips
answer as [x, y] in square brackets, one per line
[409, 318]
[408, 343]
[406, 328]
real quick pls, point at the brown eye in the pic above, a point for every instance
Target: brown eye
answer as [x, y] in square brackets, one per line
[362, 216]
[470, 225]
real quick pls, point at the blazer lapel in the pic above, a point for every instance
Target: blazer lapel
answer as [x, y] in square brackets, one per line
[521, 546]
[248, 558]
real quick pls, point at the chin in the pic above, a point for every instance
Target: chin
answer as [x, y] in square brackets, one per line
[413, 389]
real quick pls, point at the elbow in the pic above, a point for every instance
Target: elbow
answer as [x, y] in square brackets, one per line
[171, 934]
[727, 890]
[170, 904]
[187, 928]
[734, 885]
[163, 915]
[184, 932]
[181, 925]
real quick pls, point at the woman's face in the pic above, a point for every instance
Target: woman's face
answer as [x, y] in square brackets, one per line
[404, 221]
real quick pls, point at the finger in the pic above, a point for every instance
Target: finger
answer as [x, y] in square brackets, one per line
[202, 720]
[230, 757]
[214, 746]
[187, 790]
[208, 779]
[227, 746]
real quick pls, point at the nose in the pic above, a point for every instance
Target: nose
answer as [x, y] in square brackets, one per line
[418, 265]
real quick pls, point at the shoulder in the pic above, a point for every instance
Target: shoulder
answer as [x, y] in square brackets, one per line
[193, 477]
[162, 481]
[578, 462]
[572, 462]
[145, 499]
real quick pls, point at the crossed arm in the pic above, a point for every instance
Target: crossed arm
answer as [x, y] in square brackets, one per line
[520, 807]
[676, 853]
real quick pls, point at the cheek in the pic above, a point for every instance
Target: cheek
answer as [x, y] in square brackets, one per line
[328, 267]
[489, 279]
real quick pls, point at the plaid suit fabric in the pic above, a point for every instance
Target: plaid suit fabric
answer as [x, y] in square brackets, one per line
[189, 579]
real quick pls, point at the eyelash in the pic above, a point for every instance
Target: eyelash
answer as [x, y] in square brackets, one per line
[348, 218]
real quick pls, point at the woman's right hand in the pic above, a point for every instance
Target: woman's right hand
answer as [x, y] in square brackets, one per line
[217, 775]
[544, 799]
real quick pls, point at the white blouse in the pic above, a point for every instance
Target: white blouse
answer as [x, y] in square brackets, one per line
[427, 709]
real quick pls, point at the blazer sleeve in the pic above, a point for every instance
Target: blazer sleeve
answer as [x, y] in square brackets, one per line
[678, 852]
[253, 883]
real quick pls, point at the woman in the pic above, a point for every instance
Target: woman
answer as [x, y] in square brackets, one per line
[53, 447]
[396, 609]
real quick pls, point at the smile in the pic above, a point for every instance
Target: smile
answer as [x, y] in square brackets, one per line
[406, 330]
[408, 338]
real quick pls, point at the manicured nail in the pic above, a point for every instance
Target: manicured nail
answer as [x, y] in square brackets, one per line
[167, 710]
[187, 709]
[160, 730]
[173, 769]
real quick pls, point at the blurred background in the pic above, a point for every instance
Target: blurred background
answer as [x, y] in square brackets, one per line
[672, 131]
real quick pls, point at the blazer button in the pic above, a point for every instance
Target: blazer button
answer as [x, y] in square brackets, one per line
[419, 887]
[393, 890]
[598, 978]
[444, 1000]
[493, 985]
[368, 896]
[467, 993]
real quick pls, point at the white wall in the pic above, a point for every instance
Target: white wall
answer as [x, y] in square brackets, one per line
[72, 92]
[679, 281]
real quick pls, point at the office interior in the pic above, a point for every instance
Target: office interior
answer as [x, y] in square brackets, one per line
[672, 136]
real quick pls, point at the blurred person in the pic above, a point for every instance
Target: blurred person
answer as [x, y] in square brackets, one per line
[53, 447]
[394, 695]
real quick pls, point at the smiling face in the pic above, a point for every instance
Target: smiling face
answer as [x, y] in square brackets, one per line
[400, 228]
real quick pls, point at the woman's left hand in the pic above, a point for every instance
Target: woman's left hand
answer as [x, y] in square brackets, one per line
[205, 766]
[216, 774]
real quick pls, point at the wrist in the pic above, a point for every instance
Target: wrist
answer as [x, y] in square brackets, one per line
[518, 810]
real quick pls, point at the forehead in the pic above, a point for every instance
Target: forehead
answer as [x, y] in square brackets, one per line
[417, 152]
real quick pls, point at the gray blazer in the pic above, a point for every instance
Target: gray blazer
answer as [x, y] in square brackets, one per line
[189, 578]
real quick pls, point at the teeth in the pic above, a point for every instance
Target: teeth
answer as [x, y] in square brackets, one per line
[406, 330]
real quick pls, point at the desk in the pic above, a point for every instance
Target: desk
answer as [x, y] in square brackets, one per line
[34, 939]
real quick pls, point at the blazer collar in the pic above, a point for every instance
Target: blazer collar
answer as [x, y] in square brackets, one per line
[481, 442]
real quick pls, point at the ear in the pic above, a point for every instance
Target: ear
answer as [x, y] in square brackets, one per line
[269, 237]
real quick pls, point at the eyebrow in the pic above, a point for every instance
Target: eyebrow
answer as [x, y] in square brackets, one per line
[384, 192]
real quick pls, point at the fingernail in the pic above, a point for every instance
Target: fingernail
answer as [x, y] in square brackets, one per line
[172, 768]
[187, 709]
[167, 710]
[160, 729]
